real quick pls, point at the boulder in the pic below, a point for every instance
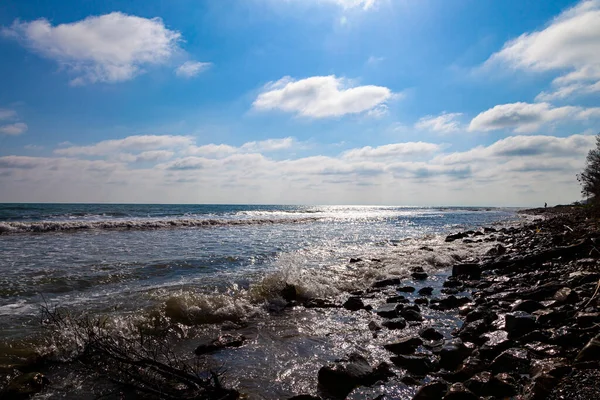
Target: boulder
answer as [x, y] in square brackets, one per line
[406, 289]
[420, 276]
[519, 323]
[453, 354]
[411, 315]
[430, 334]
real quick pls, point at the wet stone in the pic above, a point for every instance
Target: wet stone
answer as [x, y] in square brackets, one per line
[406, 345]
[528, 306]
[420, 276]
[566, 296]
[419, 365]
[426, 291]
[452, 302]
[406, 289]
[387, 282]
[591, 351]
[389, 310]
[453, 354]
[519, 323]
[339, 379]
[374, 326]
[470, 271]
[394, 323]
[354, 304]
[495, 343]
[422, 301]
[458, 391]
[411, 315]
[512, 360]
[430, 334]
[397, 299]
[432, 391]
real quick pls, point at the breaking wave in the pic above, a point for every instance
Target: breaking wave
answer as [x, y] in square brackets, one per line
[139, 224]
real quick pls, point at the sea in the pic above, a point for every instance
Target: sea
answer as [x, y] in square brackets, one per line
[208, 269]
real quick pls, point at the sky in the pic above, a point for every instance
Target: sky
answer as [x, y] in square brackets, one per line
[383, 102]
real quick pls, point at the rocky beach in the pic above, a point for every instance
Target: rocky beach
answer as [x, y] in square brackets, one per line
[527, 320]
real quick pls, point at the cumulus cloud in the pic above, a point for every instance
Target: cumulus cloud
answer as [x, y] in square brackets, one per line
[131, 143]
[392, 150]
[569, 44]
[321, 97]
[526, 117]
[109, 48]
[189, 69]
[269, 145]
[13, 129]
[444, 123]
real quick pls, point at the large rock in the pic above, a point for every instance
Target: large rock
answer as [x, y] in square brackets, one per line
[339, 379]
[495, 343]
[453, 354]
[405, 345]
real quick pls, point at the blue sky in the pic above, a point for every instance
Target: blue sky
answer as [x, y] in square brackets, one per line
[463, 102]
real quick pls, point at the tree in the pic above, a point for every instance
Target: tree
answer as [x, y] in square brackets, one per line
[590, 177]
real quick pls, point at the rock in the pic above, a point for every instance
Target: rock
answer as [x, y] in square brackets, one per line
[355, 260]
[456, 236]
[305, 397]
[340, 378]
[497, 250]
[591, 351]
[405, 345]
[501, 386]
[417, 364]
[397, 299]
[479, 383]
[512, 360]
[24, 386]
[528, 306]
[471, 331]
[586, 320]
[389, 310]
[387, 282]
[458, 391]
[394, 323]
[495, 343]
[422, 301]
[557, 367]
[222, 342]
[453, 354]
[430, 334]
[432, 391]
[320, 303]
[406, 289]
[519, 323]
[566, 296]
[451, 302]
[420, 276]
[471, 271]
[354, 304]
[374, 326]
[410, 380]
[426, 291]
[411, 315]
[540, 349]
[452, 283]
[289, 292]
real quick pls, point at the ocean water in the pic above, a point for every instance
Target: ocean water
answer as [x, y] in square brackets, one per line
[206, 266]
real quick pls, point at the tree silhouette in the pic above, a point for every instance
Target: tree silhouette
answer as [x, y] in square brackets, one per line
[590, 177]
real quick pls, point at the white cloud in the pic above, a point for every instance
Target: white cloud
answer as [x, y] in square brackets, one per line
[570, 44]
[445, 122]
[107, 48]
[392, 150]
[269, 145]
[132, 143]
[190, 69]
[525, 117]
[321, 97]
[7, 113]
[13, 129]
